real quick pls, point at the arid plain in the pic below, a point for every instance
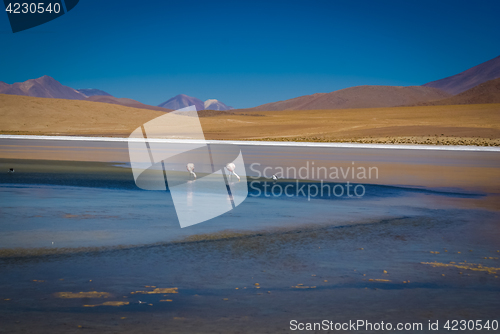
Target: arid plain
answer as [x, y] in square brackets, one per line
[473, 124]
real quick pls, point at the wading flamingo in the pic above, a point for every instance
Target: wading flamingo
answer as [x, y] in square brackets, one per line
[190, 168]
[230, 167]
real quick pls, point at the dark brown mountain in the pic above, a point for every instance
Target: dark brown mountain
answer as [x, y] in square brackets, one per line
[42, 87]
[470, 78]
[124, 102]
[358, 97]
[487, 92]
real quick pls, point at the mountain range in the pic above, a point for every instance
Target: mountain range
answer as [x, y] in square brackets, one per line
[391, 96]
[42, 87]
[472, 77]
[48, 87]
[358, 97]
[487, 92]
[182, 101]
[475, 85]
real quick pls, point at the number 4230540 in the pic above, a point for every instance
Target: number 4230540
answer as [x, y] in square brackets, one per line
[460, 325]
[32, 8]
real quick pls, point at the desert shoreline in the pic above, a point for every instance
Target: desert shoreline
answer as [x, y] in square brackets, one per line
[407, 140]
[474, 124]
[265, 142]
[410, 165]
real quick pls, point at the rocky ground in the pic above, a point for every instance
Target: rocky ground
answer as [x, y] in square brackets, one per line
[432, 140]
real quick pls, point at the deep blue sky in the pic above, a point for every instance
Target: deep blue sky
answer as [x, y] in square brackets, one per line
[247, 53]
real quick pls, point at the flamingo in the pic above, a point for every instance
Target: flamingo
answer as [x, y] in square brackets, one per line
[230, 167]
[274, 177]
[11, 170]
[190, 168]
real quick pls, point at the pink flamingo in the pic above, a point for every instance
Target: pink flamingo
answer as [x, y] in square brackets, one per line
[190, 168]
[230, 167]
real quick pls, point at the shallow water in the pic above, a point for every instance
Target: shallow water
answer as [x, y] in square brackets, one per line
[416, 248]
[305, 274]
[98, 210]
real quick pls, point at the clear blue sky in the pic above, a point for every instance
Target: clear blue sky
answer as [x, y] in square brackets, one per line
[247, 53]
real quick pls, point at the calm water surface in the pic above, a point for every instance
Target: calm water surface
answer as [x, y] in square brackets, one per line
[424, 248]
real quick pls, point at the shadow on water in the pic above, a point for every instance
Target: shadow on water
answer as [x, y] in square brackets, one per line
[119, 176]
[338, 190]
[248, 244]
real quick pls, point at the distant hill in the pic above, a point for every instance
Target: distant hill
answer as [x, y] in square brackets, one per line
[48, 87]
[32, 115]
[213, 104]
[42, 87]
[470, 78]
[124, 102]
[358, 97]
[474, 86]
[182, 101]
[93, 92]
[487, 92]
